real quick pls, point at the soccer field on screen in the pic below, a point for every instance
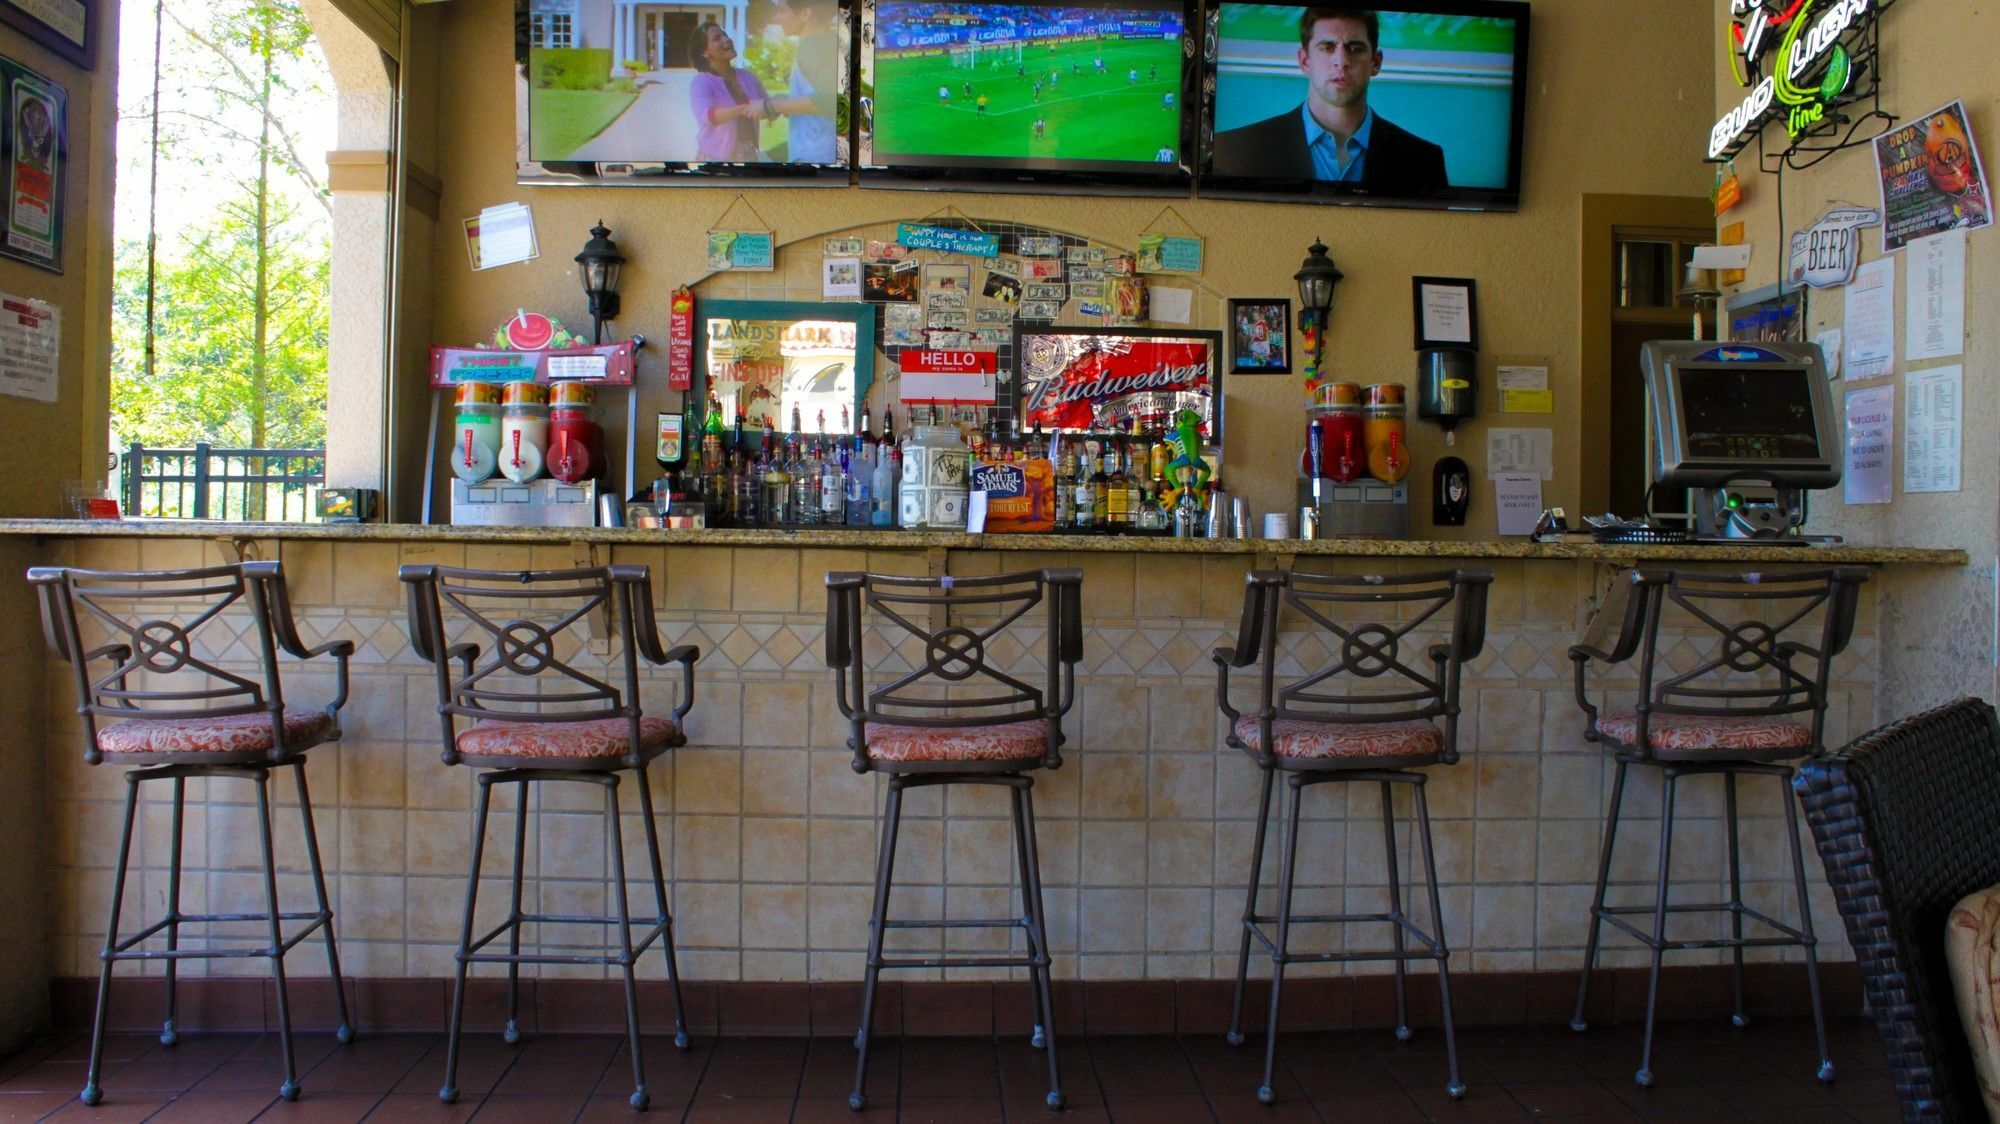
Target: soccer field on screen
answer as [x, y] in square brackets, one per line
[1087, 115]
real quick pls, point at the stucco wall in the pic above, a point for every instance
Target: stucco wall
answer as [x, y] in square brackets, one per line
[1646, 141]
[1938, 626]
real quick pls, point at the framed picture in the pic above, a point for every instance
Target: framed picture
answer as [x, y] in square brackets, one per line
[1260, 336]
[1446, 312]
[63, 26]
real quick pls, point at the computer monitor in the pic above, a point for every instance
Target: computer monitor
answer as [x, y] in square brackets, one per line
[1725, 414]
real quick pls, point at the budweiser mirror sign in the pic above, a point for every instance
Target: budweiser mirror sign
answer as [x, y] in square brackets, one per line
[1797, 58]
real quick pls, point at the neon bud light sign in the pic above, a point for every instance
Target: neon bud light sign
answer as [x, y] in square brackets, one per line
[1811, 64]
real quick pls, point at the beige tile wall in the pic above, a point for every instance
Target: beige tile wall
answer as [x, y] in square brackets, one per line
[769, 837]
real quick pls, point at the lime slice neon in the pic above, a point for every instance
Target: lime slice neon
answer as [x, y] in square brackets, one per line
[1839, 68]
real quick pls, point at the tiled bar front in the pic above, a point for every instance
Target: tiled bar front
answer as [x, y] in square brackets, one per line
[1145, 831]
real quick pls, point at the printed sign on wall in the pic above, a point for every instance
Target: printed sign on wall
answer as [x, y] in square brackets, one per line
[1824, 255]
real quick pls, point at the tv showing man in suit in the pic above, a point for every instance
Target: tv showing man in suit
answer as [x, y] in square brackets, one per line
[1397, 104]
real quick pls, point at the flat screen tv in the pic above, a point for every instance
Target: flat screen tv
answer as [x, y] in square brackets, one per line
[1089, 94]
[1417, 103]
[611, 91]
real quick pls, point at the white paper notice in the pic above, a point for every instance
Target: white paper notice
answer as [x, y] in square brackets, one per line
[1514, 452]
[1171, 305]
[1722, 257]
[1871, 320]
[1447, 313]
[1871, 434]
[1829, 348]
[576, 366]
[1934, 321]
[1518, 502]
[506, 235]
[1525, 390]
[30, 338]
[1931, 429]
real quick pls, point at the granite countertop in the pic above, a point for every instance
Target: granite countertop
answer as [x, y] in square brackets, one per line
[954, 540]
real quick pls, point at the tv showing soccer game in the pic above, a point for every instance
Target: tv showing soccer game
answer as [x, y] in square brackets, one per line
[1416, 104]
[1005, 93]
[612, 89]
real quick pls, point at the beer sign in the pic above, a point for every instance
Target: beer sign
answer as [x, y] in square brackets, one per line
[1825, 254]
[1798, 60]
[1109, 378]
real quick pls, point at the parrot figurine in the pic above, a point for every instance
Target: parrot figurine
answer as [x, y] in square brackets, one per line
[1187, 471]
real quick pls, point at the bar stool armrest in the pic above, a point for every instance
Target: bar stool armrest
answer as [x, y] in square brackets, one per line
[1066, 627]
[268, 579]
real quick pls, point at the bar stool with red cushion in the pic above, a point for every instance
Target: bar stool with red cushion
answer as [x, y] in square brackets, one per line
[959, 717]
[537, 716]
[1752, 705]
[1382, 706]
[164, 688]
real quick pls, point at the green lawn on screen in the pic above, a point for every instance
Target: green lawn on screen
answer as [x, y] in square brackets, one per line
[1090, 116]
[562, 120]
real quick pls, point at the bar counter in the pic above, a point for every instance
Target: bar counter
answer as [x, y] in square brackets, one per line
[1145, 831]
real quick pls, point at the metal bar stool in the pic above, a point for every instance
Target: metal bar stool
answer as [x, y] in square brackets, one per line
[1335, 724]
[1757, 702]
[540, 718]
[188, 716]
[957, 718]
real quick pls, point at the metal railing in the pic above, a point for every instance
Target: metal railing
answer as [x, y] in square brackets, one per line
[249, 485]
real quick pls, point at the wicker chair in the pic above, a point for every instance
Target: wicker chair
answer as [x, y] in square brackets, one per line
[1907, 821]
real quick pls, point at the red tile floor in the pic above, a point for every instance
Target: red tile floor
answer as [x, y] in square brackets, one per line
[1707, 1072]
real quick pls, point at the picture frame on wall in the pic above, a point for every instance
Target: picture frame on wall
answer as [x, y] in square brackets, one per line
[63, 26]
[1445, 311]
[1260, 336]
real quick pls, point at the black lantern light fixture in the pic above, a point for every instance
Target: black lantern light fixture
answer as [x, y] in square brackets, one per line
[1317, 278]
[600, 261]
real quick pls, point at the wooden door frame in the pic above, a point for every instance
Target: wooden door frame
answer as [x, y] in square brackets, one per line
[1602, 216]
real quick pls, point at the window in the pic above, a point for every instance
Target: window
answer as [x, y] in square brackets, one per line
[551, 29]
[228, 279]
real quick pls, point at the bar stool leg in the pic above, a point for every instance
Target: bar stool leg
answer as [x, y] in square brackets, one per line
[290, 1089]
[1740, 1018]
[1037, 1033]
[1235, 1035]
[639, 1099]
[511, 1034]
[1396, 914]
[448, 1092]
[1038, 935]
[885, 866]
[1267, 1092]
[1658, 944]
[346, 1032]
[1576, 1020]
[1454, 1084]
[92, 1093]
[666, 914]
[1809, 942]
[169, 1032]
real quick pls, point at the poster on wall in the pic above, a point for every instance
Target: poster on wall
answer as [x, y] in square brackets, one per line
[63, 26]
[36, 142]
[1932, 180]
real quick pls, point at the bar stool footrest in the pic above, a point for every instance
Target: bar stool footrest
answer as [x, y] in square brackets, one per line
[122, 950]
[472, 955]
[1790, 937]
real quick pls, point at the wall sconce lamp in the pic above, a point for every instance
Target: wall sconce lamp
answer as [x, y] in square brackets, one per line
[1317, 278]
[600, 261]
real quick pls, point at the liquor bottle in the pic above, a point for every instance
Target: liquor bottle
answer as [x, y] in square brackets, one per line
[777, 485]
[1100, 487]
[857, 472]
[715, 469]
[1089, 492]
[864, 442]
[1117, 499]
[796, 508]
[1135, 479]
[1065, 467]
[888, 468]
[833, 485]
[743, 483]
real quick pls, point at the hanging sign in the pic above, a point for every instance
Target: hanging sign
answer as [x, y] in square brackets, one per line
[34, 147]
[680, 340]
[1811, 48]
[1169, 253]
[1825, 254]
[941, 378]
[950, 240]
[752, 251]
